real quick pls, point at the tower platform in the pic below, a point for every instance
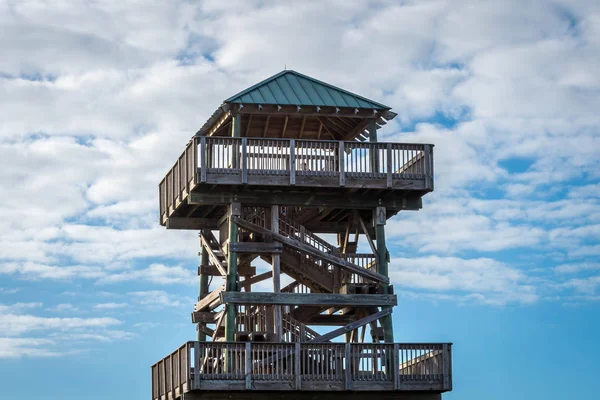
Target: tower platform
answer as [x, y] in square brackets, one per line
[203, 370]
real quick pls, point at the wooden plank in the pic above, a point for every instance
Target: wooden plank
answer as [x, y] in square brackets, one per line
[310, 299]
[330, 320]
[292, 162]
[203, 159]
[447, 366]
[348, 369]
[244, 161]
[351, 326]
[366, 232]
[210, 300]
[204, 241]
[248, 362]
[388, 166]
[331, 199]
[256, 247]
[211, 270]
[266, 126]
[342, 163]
[195, 224]
[204, 316]
[313, 251]
[232, 273]
[297, 370]
[248, 282]
[284, 127]
[302, 127]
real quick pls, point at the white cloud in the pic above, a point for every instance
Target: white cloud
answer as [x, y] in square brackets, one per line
[484, 280]
[110, 306]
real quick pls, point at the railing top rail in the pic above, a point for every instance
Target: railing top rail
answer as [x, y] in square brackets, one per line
[350, 142]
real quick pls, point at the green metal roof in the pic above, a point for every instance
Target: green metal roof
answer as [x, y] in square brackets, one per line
[293, 88]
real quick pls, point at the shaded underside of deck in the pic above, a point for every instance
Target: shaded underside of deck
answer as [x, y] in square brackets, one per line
[208, 203]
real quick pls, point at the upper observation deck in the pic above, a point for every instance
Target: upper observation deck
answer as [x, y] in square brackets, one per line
[211, 167]
[295, 141]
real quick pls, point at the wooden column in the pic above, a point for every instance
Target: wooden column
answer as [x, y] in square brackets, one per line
[383, 258]
[275, 263]
[203, 289]
[232, 260]
[236, 126]
[374, 153]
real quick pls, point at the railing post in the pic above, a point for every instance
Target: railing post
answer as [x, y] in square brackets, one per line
[396, 367]
[389, 165]
[292, 162]
[248, 366]
[203, 163]
[426, 159]
[297, 371]
[196, 366]
[244, 162]
[341, 164]
[447, 365]
[348, 370]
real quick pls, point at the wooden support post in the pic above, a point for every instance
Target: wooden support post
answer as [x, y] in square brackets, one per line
[244, 161]
[388, 166]
[232, 259]
[342, 161]
[374, 152]
[236, 126]
[383, 259]
[203, 289]
[248, 362]
[447, 365]
[428, 160]
[348, 370]
[292, 162]
[203, 159]
[275, 262]
[297, 364]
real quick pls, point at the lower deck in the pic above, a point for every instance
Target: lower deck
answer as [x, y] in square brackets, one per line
[210, 367]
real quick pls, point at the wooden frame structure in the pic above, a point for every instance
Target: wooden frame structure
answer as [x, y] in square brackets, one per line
[274, 168]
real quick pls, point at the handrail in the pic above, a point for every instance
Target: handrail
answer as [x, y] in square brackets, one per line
[335, 366]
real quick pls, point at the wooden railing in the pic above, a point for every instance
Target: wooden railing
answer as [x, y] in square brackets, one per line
[303, 366]
[284, 162]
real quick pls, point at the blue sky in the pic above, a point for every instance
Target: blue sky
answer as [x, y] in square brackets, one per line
[98, 99]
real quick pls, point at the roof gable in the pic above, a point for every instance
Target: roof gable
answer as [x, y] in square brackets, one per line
[293, 88]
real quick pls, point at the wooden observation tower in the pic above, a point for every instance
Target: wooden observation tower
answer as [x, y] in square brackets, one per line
[290, 191]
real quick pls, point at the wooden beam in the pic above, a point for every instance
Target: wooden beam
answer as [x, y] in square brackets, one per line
[366, 232]
[204, 317]
[224, 119]
[204, 241]
[232, 272]
[255, 279]
[302, 127]
[195, 224]
[344, 112]
[211, 301]
[395, 201]
[330, 320]
[266, 126]
[305, 248]
[211, 270]
[284, 126]
[351, 326]
[312, 299]
[256, 247]
[248, 125]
